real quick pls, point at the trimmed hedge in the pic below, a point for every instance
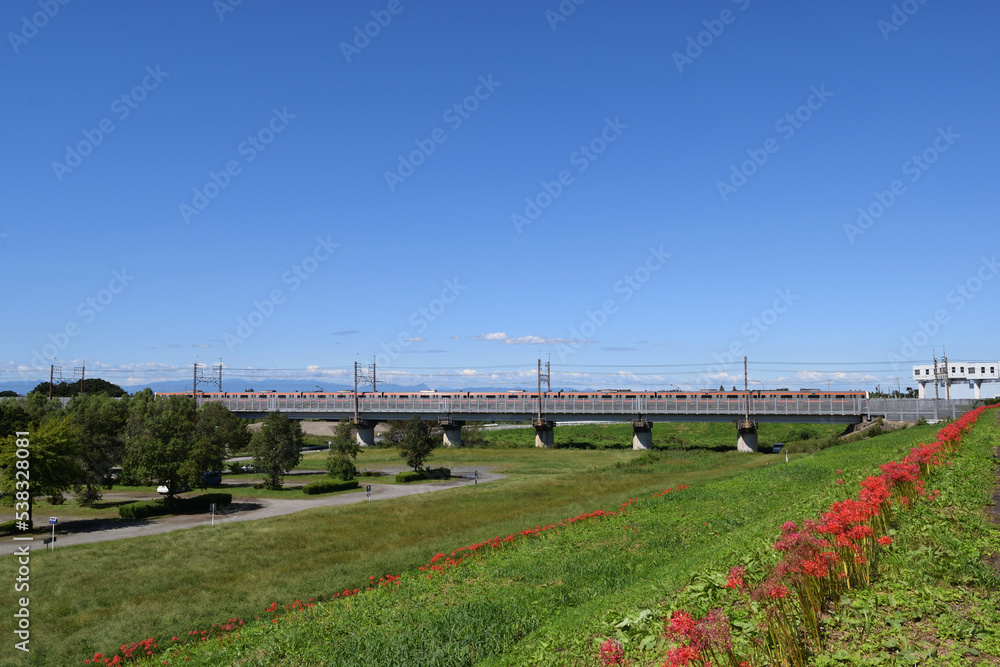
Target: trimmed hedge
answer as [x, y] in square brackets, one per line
[415, 475]
[329, 486]
[148, 508]
[201, 503]
[10, 527]
[144, 509]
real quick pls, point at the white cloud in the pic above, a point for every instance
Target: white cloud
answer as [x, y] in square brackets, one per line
[490, 336]
[415, 339]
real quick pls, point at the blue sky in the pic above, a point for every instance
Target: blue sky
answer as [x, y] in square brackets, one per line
[637, 189]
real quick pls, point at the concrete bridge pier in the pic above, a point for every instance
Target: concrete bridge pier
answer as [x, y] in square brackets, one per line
[452, 431]
[642, 434]
[544, 433]
[746, 440]
[366, 432]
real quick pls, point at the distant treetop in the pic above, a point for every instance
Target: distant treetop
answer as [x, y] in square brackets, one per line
[90, 386]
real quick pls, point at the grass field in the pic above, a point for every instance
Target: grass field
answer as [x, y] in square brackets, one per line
[95, 597]
[544, 601]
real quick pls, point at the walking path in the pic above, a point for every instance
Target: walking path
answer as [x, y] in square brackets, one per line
[84, 531]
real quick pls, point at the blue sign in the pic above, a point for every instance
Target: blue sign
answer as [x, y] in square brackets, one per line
[52, 520]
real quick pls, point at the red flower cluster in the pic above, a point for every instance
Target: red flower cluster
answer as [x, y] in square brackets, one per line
[819, 560]
[680, 487]
[611, 653]
[706, 641]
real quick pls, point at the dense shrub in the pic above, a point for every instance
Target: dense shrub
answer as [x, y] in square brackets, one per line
[149, 508]
[417, 475]
[329, 486]
[10, 527]
[201, 503]
[341, 466]
[143, 509]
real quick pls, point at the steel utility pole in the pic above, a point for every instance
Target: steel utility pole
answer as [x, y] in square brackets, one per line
[547, 378]
[746, 391]
[52, 376]
[356, 416]
[362, 378]
[947, 379]
[937, 379]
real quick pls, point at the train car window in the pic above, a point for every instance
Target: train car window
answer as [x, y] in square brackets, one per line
[785, 396]
[490, 396]
[706, 396]
[733, 396]
[813, 395]
[840, 396]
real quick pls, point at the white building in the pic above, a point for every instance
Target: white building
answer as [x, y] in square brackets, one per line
[968, 379]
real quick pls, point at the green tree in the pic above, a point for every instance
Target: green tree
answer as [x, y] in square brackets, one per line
[13, 418]
[40, 409]
[416, 443]
[160, 442]
[344, 450]
[100, 427]
[69, 389]
[53, 465]
[218, 432]
[276, 448]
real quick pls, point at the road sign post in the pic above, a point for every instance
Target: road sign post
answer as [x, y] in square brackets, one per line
[53, 521]
[213, 513]
[368, 490]
[475, 473]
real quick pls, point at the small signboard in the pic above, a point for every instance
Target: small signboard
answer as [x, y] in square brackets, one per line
[53, 520]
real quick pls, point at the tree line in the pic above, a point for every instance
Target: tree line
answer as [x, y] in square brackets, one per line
[167, 440]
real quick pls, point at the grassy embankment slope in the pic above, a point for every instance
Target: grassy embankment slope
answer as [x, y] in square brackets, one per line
[549, 598]
[92, 598]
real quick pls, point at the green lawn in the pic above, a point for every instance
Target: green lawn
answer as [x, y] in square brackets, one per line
[542, 601]
[94, 597]
[168, 584]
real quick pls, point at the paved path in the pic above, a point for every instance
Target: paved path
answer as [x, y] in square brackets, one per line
[84, 531]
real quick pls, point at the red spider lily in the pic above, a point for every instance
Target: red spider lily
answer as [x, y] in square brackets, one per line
[735, 579]
[681, 656]
[611, 653]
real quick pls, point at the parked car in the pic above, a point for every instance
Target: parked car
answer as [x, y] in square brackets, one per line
[248, 468]
[213, 478]
[164, 488]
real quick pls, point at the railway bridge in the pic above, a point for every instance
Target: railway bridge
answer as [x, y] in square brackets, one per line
[452, 411]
